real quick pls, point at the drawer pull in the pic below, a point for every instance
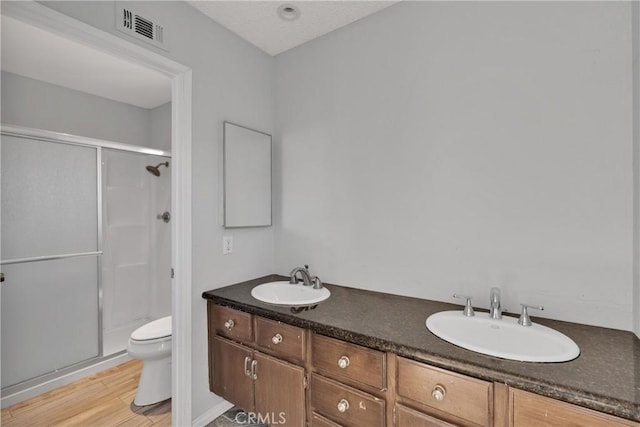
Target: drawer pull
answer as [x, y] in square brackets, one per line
[229, 324]
[438, 393]
[247, 372]
[277, 339]
[343, 405]
[254, 372]
[343, 362]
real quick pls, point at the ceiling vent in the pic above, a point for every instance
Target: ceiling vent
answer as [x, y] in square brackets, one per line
[140, 26]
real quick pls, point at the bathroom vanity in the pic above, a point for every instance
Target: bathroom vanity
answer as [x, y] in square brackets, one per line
[366, 359]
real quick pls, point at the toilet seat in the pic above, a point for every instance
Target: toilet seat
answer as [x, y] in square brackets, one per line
[153, 331]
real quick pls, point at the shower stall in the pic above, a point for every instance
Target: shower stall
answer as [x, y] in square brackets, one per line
[85, 251]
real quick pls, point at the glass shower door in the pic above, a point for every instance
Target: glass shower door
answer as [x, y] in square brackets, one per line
[50, 257]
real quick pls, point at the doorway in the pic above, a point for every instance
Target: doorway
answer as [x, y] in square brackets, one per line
[47, 19]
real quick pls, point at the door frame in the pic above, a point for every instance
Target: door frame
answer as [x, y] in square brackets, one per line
[51, 20]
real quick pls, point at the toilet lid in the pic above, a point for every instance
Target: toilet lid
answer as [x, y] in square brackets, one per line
[153, 330]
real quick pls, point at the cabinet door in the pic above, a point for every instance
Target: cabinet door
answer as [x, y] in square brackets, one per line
[230, 379]
[279, 391]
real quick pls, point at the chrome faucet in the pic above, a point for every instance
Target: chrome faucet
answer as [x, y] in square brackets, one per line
[307, 280]
[495, 312]
[304, 272]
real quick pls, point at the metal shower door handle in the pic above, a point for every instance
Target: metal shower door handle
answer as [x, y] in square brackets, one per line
[165, 216]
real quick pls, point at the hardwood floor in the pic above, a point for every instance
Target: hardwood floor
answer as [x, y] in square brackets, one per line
[104, 399]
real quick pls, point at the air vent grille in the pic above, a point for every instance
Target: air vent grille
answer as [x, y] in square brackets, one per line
[140, 26]
[160, 33]
[127, 19]
[144, 27]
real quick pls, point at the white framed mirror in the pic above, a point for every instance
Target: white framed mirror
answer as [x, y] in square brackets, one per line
[246, 176]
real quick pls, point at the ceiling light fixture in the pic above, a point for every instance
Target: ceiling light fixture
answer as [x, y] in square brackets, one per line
[288, 12]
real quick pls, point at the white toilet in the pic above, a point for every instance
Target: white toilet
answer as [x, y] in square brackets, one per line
[151, 343]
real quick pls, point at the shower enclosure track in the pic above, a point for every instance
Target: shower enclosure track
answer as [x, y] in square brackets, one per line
[65, 138]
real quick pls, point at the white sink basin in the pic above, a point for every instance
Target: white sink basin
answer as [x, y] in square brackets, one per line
[503, 338]
[284, 293]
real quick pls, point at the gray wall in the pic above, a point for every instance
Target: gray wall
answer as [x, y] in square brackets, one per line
[441, 147]
[42, 105]
[160, 127]
[232, 80]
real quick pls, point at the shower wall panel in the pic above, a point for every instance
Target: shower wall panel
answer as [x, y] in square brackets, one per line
[161, 253]
[134, 244]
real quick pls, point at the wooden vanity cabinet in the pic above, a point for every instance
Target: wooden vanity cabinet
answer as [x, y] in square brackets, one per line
[270, 368]
[245, 376]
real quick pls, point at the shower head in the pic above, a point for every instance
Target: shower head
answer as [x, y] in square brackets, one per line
[154, 169]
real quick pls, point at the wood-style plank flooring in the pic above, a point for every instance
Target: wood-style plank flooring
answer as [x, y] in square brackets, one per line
[104, 399]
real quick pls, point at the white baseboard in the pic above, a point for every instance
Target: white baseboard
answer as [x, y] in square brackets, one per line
[212, 414]
[46, 386]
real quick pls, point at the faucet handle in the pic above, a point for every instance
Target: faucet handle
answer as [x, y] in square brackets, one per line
[468, 309]
[525, 320]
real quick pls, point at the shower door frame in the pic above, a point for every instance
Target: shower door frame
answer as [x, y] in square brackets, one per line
[51, 20]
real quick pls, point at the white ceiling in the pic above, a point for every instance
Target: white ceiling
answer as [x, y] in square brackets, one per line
[258, 21]
[40, 55]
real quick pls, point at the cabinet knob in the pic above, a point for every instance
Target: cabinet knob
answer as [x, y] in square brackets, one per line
[229, 324]
[343, 405]
[438, 392]
[343, 362]
[277, 339]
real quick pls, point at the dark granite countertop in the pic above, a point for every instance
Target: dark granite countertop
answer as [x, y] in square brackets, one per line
[605, 377]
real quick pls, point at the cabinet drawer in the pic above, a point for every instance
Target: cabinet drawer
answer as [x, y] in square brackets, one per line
[532, 410]
[345, 405]
[338, 359]
[280, 339]
[406, 417]
[318, 420]
[233, 324]
[463, 397]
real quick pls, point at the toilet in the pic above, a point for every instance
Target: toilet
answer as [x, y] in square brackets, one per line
[151, 343]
